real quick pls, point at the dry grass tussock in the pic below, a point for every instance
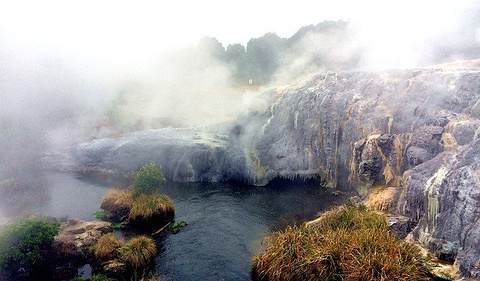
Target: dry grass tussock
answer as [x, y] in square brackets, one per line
[117, 199]
[348, 243]
[126, 203]
[107, 247]
[139, 251]
[147, 205]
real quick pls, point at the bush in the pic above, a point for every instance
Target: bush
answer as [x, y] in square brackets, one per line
[147, 179]
[99, 277]
[347, 244]
[139, 251]
[25, 246]
[101, 214]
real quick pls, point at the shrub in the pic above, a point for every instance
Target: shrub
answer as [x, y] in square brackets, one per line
[147, 179]
[101, 214]
[25, 246]
[139, 251]
[107, 247]
[99, 277]
[347, 244]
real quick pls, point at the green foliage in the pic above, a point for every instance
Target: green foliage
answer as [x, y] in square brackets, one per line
[346, 244]
[25, 245]
[101, 214]
[95, 277]
[117, 225]
[147, 179]
[63, 218]
[176, 228]
[99, 277]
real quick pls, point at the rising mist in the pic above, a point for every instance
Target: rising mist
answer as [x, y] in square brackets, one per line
[52, 98]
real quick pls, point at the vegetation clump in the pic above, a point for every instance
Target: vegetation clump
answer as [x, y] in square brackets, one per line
[25, 246]
[139, 252]
[140, 206]
[107, 247]
[349, 243]
[147, 179]
[144, 210]
[114, 257]
[176, 228]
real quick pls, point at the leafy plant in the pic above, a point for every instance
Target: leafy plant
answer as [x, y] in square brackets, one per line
[101, 214]
[176, 228]
[147, 179]
[24, 246]
[99, 277]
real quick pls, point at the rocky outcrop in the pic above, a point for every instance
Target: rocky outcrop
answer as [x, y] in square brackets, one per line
[73, 246]
[83, 234]
[412, 132]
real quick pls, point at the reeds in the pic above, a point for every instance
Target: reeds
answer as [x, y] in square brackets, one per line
[346, 244]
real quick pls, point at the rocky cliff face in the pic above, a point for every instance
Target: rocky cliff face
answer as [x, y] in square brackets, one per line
[412, 132]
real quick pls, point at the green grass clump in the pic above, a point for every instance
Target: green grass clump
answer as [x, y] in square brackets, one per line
[107, 247]
[26, 244]
[147, 179]
[99, 277]
[101, 214]
[348, 243]
[139, 251]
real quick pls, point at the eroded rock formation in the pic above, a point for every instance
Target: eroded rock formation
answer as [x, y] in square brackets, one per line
[411, 132]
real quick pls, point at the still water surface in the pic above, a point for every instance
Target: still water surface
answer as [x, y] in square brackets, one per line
[226, 222]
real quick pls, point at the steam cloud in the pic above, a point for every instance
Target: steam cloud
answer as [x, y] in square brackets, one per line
[52, 98]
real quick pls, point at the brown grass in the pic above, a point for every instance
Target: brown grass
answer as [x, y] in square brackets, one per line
[148, 205]
[346, 244]
[139, 251]
[107, 247]
[128, 204]
[116, 199]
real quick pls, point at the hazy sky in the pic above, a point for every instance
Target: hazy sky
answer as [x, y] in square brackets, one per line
[135, 30]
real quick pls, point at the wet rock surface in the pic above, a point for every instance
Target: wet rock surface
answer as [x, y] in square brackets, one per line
[415, 130]
[73, 245]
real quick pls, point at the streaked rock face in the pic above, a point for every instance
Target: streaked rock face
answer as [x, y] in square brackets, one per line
[412, 130]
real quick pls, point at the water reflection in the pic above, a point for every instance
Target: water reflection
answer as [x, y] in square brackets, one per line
[227, 223]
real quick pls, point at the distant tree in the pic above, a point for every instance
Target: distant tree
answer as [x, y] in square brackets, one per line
[263, 56]
[210, 47]
[236, 56]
